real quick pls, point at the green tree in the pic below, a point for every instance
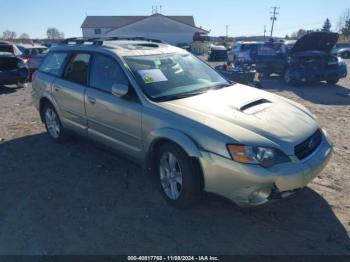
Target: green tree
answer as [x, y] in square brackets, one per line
[326, 26]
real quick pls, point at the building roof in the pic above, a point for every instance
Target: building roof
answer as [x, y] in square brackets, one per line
[120, 21]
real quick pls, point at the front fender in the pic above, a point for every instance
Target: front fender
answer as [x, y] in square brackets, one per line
[178, 137]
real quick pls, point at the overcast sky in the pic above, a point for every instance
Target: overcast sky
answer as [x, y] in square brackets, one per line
[243, 17]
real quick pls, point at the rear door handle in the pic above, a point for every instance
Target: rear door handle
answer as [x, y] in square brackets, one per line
[91, 100]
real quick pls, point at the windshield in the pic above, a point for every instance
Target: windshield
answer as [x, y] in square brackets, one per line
[174, 76]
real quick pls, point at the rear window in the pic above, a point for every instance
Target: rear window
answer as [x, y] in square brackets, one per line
[53, 63]
[249, 47]
[271, 49]
[6, 48]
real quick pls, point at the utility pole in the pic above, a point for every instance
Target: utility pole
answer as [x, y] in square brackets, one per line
[265, 31]
[274, 17]
[227, 27]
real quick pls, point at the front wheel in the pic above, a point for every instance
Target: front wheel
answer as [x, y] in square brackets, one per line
[179, 177]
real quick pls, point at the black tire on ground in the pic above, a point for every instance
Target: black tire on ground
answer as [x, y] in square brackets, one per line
[332, 81]
[192, 186]
[61, 133]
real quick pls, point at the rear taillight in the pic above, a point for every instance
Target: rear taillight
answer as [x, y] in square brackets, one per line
[26, 58]
[33, 76]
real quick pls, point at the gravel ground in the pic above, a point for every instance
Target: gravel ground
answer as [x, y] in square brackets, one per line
[79, 198]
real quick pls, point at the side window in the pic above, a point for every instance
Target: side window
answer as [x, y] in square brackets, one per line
[77, 69]
[266, 50]
[53, 63]
[105, 72]
[97, 31]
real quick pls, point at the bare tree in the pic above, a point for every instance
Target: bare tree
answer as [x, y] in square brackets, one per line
[24, 36]
[342, 20]
[299, 33]
[9, 35]
[54, 33]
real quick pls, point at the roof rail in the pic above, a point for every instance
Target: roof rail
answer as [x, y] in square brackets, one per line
[100, 40]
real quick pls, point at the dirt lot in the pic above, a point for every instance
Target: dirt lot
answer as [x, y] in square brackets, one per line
[78, 199]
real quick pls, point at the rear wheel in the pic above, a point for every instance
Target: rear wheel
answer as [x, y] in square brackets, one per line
[179, 177]
[53, 124]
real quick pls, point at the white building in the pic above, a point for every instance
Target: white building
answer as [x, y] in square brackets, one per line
[170, 29]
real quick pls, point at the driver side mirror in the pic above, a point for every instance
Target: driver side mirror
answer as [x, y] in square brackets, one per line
[120, 90]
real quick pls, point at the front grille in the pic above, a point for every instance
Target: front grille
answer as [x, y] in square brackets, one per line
[307, 147]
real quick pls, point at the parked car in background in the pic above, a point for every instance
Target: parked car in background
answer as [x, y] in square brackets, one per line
[217, 53]
[310, 60]
[343, 52]
[266, 57]
[242, 52]
[181, 120]
[185, 46]
[270, 58]
[289, 44]
[33, 54]
[13, 69]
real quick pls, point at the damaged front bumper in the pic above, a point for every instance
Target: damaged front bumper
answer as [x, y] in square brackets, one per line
[316, 74]
[251, 185]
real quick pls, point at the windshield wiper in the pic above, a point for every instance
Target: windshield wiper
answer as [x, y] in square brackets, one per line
[179, 96]
[219, 86]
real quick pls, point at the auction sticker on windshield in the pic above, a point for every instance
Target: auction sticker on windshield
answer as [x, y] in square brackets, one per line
[152, 76]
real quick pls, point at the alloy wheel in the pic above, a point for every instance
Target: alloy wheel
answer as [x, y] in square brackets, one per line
[52, 123]
[170, 175]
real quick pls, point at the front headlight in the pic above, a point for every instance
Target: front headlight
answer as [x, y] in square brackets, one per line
[264, 156]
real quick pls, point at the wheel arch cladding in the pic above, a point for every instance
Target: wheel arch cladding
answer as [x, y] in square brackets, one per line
[161, 136]
[167, 135]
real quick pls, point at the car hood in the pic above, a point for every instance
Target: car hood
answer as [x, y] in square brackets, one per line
[316, 41]
[249, 116]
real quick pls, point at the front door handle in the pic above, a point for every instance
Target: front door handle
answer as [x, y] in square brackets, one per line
[57, 88]
[91, 100]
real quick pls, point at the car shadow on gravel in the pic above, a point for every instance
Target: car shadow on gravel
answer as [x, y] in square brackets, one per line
[77, 198]
[5, 89]
[318, 93]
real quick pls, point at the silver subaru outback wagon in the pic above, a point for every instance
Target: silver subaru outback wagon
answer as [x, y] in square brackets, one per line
[172, 113]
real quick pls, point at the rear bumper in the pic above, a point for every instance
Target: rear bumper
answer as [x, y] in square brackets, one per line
[13, 76]
[251, 185]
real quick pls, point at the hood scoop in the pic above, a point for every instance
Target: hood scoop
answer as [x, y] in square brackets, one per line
[255, 106]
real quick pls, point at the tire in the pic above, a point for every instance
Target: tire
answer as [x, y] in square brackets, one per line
[332, 81]
[179, 178]
[53, 124]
